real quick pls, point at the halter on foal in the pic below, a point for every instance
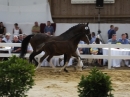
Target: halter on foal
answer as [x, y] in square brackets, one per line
[68, 48]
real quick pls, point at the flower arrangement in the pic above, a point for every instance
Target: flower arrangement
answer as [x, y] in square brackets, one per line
[118, 43]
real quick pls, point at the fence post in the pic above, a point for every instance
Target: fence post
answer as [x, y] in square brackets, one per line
[109, 56]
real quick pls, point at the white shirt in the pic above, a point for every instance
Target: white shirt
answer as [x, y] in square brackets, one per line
[7, 41]
[29, 48]
[16, 31]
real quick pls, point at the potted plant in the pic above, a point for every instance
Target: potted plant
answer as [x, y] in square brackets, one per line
[96, 84]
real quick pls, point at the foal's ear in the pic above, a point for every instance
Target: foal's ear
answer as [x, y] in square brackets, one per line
[87, 23]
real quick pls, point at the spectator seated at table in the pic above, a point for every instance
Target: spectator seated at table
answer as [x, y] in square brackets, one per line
[36, 28]
[16, 49]
[111, 28]
[24, 35]
[123, 40]
[1, 41]
[97, 51]
[113, 40]
[2, 28]
[16, 29]
[127, 37]
[81, 49]
[87, 50]
[113, 32]
[7, 39]
[49, 30]
[20, 37]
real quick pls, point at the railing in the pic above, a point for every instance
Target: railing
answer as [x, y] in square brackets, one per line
[109, 56]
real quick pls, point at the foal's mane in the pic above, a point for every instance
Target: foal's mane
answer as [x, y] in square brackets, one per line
[68, 34]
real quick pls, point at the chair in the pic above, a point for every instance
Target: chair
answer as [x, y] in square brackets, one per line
[42, 26]
[54, 26]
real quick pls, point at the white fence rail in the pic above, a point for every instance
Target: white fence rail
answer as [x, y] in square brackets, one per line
[109, 56]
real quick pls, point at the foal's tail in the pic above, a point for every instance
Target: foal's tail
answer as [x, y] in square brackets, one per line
[24, 46]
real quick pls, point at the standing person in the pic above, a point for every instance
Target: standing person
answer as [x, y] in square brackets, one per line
[93, 38]
[111, 28]
[112, 32]
[2, 29]
[16, 30]
[35, 28]
[49, 30]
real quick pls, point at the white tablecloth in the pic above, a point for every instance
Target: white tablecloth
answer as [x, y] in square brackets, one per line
[6, 49]
[116, 52]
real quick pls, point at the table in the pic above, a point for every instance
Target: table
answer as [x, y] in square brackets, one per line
[116, 52]
[6, 49]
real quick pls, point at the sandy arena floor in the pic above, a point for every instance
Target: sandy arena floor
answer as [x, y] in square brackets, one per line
[49, 84]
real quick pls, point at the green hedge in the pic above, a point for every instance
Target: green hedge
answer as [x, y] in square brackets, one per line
[96, 84]
[16, 77]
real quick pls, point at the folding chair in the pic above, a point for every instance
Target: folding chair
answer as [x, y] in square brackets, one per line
[42, 26]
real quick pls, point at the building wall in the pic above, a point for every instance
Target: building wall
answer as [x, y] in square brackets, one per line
[64, 12]
[104, 27]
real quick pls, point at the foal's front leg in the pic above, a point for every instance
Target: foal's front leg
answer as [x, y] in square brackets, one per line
[66, 63]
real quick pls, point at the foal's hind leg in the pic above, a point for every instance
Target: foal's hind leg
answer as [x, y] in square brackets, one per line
[50, 62]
